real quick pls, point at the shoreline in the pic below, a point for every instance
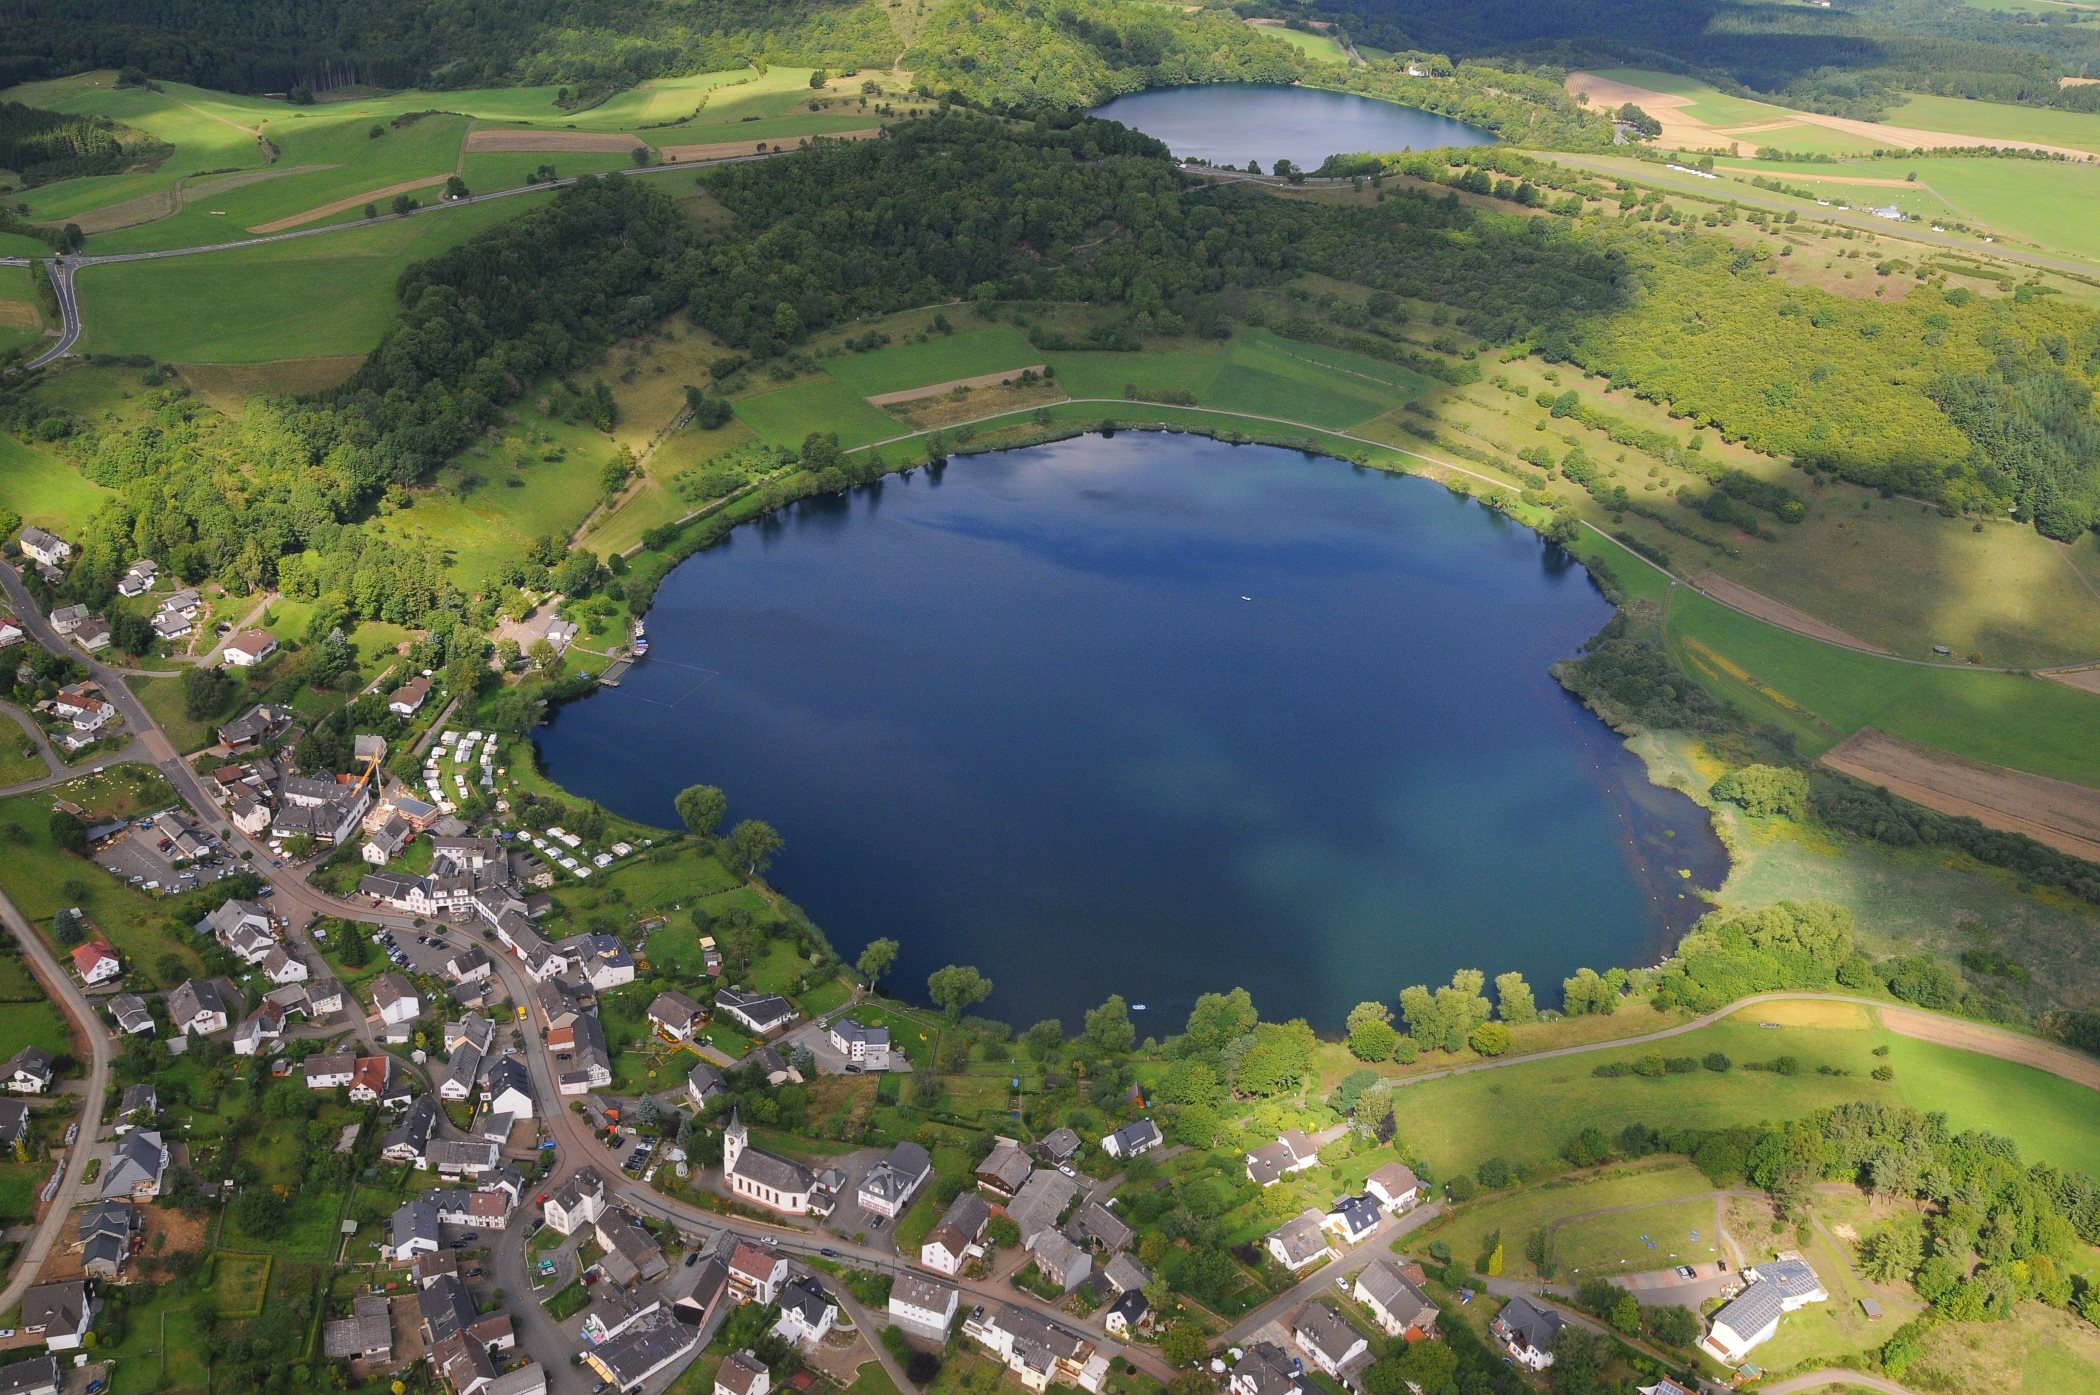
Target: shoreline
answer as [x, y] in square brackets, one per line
[1649, 876]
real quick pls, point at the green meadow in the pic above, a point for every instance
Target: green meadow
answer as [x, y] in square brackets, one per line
[46, 491]
[1707, 103]
[1998, 121]
[1525, 1112]
[1319, 47]
[1823, 694]
[305, 298]
[785, 416]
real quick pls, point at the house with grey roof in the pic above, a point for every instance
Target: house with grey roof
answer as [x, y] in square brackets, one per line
[136, 1168]
[108, 1231]
[1126, 1272]
[414, 1230]
[14, 1124]
[703, 1083]
[922, 1306]
[367, 1334]
[675, 1015]
[1398, 1302]
[951, 1241]
[1300, 1242]
[1060, 1261]
[1098, 1225]
[1138, 1136]
[1394, 1186]
[29, 1071]
[760, 1013]
[199, 1005]
[39, 1375]
[1005, 1170]
[1038, 1205]
[652, 1345]
[1058, 1147]
[60, 1313]
[807, 1312]
[1331, 1342]
[132, 1016]
[890, 1184]
[1776, 1288]
[1292, 1152]
[865, 1047]
[1528, 1330]
[1267, 1369]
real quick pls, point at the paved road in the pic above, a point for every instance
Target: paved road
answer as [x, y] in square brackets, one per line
[1322, 1283]
[74, 1003]
[577, 1146]
[68, 312]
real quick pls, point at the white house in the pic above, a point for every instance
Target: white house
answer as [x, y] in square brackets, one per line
[761, 1013]
[756, 1272]
[139, 577]
[330, 1071]
[48, 548]
[923, 1306]
[1528, 1331]
[577, 1203]
[806, 1311]
[1329, 1341]
[1775, 1289]
[394, 1000]
[30, 1071]
[952, 1241]
[1394, 1186]
[199, 1006]
[889, 1185]
[1132, 1139]
[675, 1015]
[862, 1046]
[96, 962]
[60, 1313]
[1354, 1219]
[1292, 1152]
[743, 1374]
[281, 967]
[248, 649]
[1395, 1300]
[1300, 1242]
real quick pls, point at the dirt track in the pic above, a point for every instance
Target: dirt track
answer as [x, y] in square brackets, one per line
[2084, 679]
[891, 399]
[1990, 1041]
[2056, 813]
[598, 142]
[1779, 613]
[148, 208]
[1689, 132]
[729, 149]
[329, 210]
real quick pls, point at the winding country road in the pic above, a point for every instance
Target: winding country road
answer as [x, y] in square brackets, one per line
[88, 1028]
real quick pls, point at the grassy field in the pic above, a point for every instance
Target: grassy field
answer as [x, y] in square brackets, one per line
[785, 416]
[941, 359]
[2039, 1352]
[41, 881]
[1658, 1200]
[32, 1023]
[45, 490]
[1998, 121]
[1319, 47]
[305, 298]
[1706, 103]
[21, 319]
[1525, 1112]
[1823, 694]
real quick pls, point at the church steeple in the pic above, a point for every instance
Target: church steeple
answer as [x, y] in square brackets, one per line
[735, 1138]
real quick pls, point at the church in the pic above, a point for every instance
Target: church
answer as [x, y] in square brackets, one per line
[777, 1183]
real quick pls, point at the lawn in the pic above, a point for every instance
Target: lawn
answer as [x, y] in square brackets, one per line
[308, 297]
[32, 1023]
[1526, 1112]
[166, 1344]
[2040, 1352]
[239, 1282]
[45, 490]
[786, 416]
[1823, 694]
[163, 700]
[1654, 1237]
[569, 1301]
[19, 1184]
[19, 759]
[21, 319]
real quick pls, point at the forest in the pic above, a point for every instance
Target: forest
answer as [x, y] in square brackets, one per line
[41, 146]
[300, 48]
[1856, 59]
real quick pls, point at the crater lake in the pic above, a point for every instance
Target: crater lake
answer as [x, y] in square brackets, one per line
[1230, 123]
[1157, 715]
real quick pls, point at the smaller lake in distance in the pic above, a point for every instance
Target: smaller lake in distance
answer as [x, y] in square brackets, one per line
[1230, 123]
[1157, 715]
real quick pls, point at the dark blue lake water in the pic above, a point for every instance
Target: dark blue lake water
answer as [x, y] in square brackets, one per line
[1156, 715]
[1230, 123]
